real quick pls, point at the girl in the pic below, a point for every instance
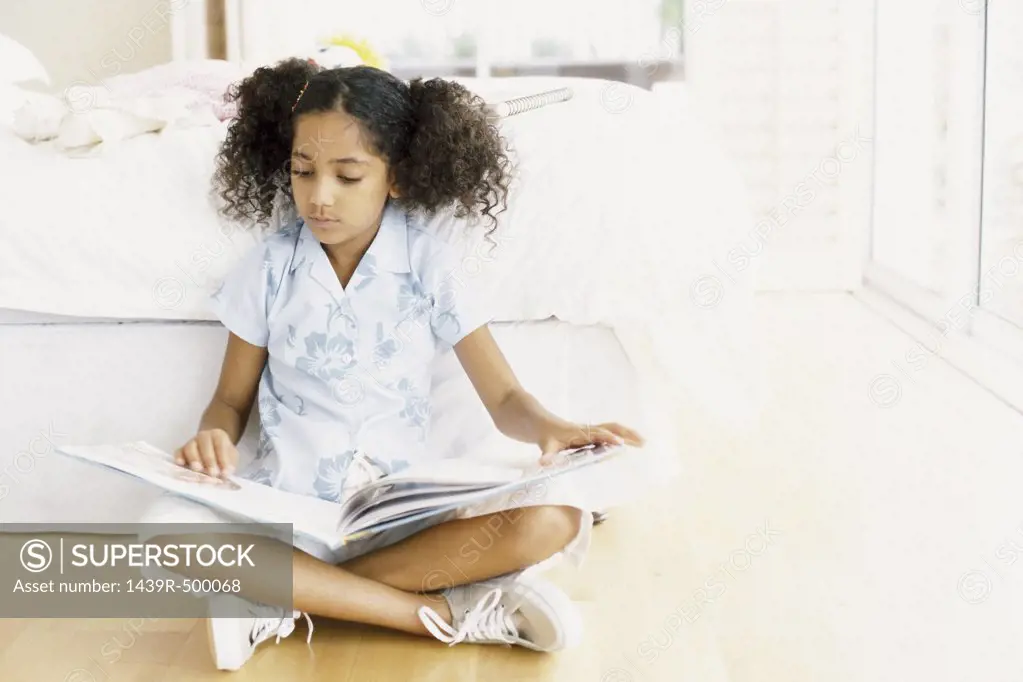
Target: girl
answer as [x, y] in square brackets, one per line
[334, 321]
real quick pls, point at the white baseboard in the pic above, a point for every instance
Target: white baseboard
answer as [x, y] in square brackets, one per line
[996, 366]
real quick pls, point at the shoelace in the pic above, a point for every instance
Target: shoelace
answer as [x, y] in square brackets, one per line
[282, 627]
[484, 622]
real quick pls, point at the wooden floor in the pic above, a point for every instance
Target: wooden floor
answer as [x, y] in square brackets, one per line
[859, 533]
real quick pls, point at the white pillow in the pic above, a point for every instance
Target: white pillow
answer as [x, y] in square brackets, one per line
[39, 117]
[18, 64]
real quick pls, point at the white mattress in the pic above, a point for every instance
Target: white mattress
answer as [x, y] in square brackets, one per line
[95, 382]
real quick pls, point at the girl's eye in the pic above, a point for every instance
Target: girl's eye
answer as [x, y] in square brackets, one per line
[343, 178]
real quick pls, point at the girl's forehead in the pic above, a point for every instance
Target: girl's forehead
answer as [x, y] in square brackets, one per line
[334, 134]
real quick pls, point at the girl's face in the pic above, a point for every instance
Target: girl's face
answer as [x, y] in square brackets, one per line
[339, 185]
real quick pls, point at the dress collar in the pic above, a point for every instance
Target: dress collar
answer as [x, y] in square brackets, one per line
[390, 246]
[388, 251]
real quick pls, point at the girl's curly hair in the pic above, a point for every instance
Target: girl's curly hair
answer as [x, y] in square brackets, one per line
[434, 135]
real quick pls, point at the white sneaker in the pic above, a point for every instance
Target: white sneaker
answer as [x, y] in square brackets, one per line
[234, 640]
[529, 613]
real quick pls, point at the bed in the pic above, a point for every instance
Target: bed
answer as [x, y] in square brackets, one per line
[620, 211]
[94, 382]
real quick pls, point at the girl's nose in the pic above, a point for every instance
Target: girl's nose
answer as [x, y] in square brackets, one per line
[323, 193]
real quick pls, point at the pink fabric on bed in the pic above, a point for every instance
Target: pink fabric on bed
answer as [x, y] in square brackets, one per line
[206, 80]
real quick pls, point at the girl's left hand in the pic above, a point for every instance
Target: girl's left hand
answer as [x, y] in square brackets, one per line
[567, 435]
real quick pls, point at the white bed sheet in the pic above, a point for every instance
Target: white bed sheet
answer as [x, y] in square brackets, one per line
[89, 383]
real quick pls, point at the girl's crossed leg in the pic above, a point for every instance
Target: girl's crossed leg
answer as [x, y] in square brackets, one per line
[457, 580]
[388, 586]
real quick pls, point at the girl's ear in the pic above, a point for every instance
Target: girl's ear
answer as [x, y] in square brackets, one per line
[393, 189]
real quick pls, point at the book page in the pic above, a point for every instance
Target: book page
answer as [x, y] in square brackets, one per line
[411, 497]
[311, 516]
[390, 509]
[431, 475]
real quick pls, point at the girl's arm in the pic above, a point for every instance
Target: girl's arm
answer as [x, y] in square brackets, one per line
[519, 415]
[212, 450]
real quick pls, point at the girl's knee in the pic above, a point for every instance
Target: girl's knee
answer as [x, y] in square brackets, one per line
[546, 530]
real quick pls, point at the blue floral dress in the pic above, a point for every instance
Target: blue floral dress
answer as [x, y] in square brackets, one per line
[347, 380]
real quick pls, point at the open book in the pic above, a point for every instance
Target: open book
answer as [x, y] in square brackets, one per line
[417, 492]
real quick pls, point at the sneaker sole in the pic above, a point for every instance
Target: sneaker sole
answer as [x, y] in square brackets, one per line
[547, 600]
[225, 631]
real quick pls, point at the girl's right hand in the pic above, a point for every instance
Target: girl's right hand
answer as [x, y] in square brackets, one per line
[210, 451]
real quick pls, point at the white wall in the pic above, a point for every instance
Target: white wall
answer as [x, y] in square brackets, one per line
[787, 87]
[85, 41]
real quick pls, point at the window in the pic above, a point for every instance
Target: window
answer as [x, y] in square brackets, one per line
[927, 137]
[1001, 244]
[637, 41]
[947, 228]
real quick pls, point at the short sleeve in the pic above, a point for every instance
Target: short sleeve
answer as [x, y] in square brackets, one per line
[241, 300]
[457, 308]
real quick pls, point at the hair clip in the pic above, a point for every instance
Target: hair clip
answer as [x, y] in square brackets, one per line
[301, 92]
